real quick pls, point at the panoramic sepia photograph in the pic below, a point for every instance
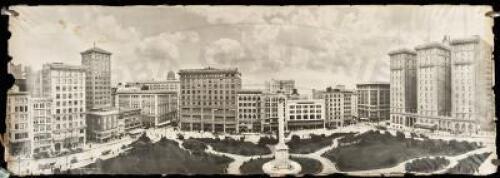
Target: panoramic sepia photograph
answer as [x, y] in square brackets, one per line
[239, 90]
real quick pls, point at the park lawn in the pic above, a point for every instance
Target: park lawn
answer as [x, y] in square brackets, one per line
[232, 146]
[164, 157]
[376, 151]
[470, 164]
[309, 166]
[313, 144]
[353, 157]
[427, 165]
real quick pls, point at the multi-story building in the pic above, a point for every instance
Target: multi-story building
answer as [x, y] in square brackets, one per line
[271, 106]
[18, 124]
[158, 107]
[340, 106]
[65, 85]
[98, 77]
[250, 110]
[171, 84]
[102, 125]
[433, 84]
[403, 87]
[472, 97]
[208, 99]
[19, 71]
[131, 119]
[42, 125]
[280, 86]
[373, 101]
[305, 114]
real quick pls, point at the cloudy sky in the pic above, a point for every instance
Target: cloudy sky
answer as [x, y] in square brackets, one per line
[318, 46]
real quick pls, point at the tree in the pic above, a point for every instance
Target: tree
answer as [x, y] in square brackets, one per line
[180, 136]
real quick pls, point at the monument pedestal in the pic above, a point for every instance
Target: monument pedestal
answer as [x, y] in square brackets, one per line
[281, 165]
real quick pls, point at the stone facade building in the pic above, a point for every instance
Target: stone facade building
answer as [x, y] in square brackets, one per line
[19, 124]
[403, 87]
[208, 99]
[305, 114]
[472, 96]
[65, 85]
[373, 101]
[102, 125]
[158, 107]
[98, 77]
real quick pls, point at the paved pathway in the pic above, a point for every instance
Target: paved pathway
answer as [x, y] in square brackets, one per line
[328, 167]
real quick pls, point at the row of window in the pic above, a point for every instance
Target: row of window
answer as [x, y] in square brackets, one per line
[304, 117]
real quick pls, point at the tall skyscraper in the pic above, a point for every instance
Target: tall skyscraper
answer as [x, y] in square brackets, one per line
[98, 78]
[403, 87]
[65, 85]
[433, 83]
[208, 99]
[471, 83]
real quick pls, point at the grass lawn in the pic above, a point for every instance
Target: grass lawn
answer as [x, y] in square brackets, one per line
[469, 165]
[164, 157]
[427, 165]
[229, 145]
[313, 144]
[375, 150]
[309, 166]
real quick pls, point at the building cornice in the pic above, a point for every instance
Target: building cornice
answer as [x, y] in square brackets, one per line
[402, 51]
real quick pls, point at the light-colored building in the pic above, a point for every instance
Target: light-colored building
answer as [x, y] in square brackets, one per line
[18, 124]
[65, 85]
[102, 125]
[18, 71]
[280, 86]
[250, 110]
[42, 125]
[472, 96]
[208, 99]
[271, 105]
[373, 101]
[98, 77]
[158, 107]
[305, 114]
[403, 87]
[340, 106]
[433, 84]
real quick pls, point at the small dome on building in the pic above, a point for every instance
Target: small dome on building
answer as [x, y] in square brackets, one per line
[171, 75]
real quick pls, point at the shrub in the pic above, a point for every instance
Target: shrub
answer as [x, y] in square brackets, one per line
[194, 145]
[180, 136]
[400, 135]
[295, 138]
[267, 141]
